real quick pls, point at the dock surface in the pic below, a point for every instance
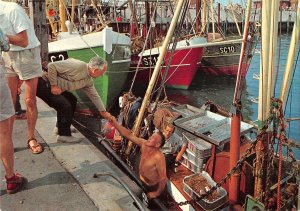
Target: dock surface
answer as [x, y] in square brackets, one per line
[61, 178]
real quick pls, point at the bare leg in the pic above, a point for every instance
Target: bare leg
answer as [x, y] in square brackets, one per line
[30, 101]
[13, 86]
[6, 146]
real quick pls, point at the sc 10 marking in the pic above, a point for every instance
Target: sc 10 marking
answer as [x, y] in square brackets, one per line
[227, 49]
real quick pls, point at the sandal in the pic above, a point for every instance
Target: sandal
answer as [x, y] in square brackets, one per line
[21, 116]
[35, 149]
[15, 183]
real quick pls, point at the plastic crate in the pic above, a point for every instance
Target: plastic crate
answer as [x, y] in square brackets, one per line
[187, 110]
[197, 146]
[204, 203]
[198, 161]
[190, 165]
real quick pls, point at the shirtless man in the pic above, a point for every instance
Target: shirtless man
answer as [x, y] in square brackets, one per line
[152, 166]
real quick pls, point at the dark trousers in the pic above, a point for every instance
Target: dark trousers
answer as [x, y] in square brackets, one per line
[64, 104]
[170, 161]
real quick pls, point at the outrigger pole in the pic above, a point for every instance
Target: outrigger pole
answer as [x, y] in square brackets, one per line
[290, 58]
[161, 56]
[236, 117]
[266, 92]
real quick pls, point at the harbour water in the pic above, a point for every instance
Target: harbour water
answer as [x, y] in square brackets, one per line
[220, 89]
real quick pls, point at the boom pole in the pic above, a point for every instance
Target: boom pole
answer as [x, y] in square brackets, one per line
[161, 56]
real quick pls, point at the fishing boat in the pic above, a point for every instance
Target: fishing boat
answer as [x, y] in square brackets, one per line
[113, 47]
[183, 67]
[231, 164]
[222, 54]
[184, 54]
[96, 40]
[222, 57]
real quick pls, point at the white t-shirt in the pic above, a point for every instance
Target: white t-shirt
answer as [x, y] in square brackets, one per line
[14, 20]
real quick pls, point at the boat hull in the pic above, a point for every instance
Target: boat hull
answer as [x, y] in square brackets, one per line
[112, 82]
[223, 59]
[183, 67]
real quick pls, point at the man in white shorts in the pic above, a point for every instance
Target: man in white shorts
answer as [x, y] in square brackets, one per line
[22, 62]
[14, 181]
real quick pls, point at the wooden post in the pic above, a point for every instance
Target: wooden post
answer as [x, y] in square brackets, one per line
[37, 15]
[62, 15]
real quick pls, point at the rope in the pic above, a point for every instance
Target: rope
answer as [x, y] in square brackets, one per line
[292, 79]
[143, 50]
[76, 30]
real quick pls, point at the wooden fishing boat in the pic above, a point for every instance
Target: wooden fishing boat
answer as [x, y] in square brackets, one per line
[245, 171]
[184, 62]
[112, 46]
[222, 57]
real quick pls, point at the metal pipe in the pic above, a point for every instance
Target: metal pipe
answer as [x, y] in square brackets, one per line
[136, 199]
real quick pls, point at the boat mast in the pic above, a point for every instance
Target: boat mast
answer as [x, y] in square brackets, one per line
[73, 12]
[38, 17]
[62, 15]
[272, 53]
[212, 19]
[290, 59]
[236, 117]
[198, 24]
[266, 84]
[161, 56]
[204, 16]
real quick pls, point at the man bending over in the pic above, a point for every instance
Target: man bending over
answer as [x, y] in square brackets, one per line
[64, 76]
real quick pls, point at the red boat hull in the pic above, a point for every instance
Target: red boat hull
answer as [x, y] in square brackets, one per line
[183, 68]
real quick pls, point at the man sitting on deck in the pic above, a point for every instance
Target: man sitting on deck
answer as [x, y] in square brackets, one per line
[173, 149]
[152, 167]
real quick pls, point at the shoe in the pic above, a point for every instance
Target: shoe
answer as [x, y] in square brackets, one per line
[15, 183]
[72, 128]
[67, 139]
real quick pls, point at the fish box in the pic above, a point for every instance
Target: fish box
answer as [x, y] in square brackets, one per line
[211, 127]
[197, 146]
[214, 200]
[198, 161]
[187, 110]
[191, 165]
